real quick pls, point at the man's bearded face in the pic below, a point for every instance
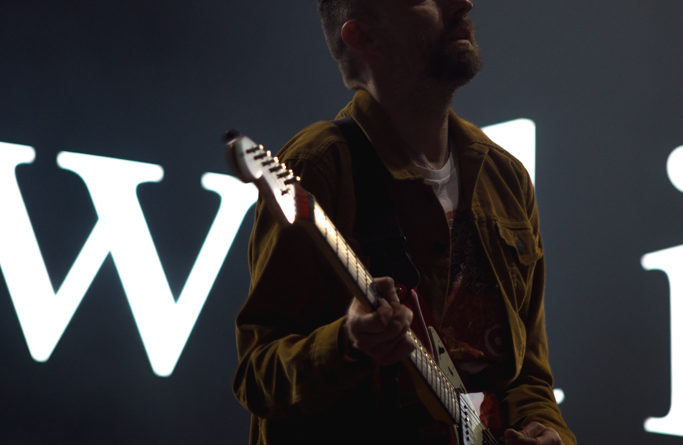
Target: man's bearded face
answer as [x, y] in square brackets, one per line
[455, 58]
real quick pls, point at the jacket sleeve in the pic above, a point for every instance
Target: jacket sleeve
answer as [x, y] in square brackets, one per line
[530, 396]
[287, 332]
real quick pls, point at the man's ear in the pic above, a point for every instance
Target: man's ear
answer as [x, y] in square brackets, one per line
[356, 34]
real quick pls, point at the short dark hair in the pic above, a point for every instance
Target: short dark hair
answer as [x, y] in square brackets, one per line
[333, 15]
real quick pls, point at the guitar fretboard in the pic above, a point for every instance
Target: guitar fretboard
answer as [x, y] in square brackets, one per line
[419, 357]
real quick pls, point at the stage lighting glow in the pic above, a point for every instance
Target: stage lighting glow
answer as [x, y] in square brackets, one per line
[674, 168]
[519, 138]
[559, 395]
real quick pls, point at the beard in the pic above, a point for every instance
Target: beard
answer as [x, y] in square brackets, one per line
[454, 65]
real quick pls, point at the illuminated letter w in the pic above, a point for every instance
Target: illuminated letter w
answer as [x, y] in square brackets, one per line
[121, 230]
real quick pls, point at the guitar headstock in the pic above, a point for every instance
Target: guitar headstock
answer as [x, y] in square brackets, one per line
[254, 163]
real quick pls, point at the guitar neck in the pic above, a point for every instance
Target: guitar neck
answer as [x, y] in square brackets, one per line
[347, 263]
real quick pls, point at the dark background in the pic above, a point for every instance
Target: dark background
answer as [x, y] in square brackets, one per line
[158, 81]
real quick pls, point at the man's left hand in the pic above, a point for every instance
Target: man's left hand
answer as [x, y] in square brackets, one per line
[533, 434]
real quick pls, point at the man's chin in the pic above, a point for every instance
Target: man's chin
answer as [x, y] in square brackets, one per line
[459, 68]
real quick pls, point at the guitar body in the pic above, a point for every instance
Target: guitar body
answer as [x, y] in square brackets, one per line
[467, 431]
[435, 378]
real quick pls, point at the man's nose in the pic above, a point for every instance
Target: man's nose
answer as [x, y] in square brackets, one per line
[458, 8]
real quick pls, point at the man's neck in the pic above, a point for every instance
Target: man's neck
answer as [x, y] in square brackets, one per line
[420, 117]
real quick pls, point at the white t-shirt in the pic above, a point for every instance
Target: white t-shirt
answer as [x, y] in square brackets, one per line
[446, 185]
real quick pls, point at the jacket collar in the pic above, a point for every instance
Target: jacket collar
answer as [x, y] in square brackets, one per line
[471, 143]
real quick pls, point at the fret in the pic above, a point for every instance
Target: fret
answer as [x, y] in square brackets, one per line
[330, 232]
[362, 276]
[424, 365]
[430, 369]
[353, 268]
[436, 384]
[446, 387]
[336, 242]
[345, 256]
[342, 254]
[432, 375]
[351, 259]
[326, 231]
[332, 235]
[368, 290]
[319, 220]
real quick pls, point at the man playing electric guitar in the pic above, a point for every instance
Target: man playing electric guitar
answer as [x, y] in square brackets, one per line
[315, 364]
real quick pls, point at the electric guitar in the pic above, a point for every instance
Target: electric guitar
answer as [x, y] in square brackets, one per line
[436, 380]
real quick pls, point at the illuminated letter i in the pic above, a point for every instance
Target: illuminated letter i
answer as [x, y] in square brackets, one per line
[669, 261]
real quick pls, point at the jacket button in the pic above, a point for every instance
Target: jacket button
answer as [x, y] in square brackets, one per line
[521, 247]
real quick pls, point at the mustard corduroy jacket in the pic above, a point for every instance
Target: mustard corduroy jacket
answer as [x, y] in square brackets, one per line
[291, 374]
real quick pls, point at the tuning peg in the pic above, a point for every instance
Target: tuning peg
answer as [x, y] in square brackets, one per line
[293, 179]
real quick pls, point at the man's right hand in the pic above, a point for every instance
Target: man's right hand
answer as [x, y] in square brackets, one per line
[381, 334]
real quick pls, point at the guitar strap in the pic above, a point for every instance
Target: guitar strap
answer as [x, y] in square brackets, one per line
[382, 240]
[377, 226]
